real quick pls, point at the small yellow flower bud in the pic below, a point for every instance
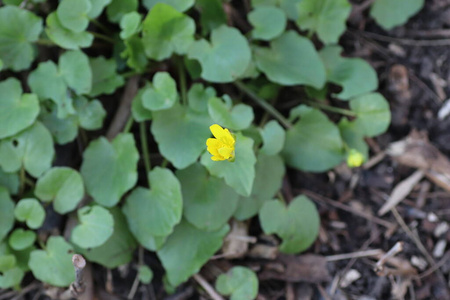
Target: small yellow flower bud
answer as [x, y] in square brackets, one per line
[354, 158]
[221, 146]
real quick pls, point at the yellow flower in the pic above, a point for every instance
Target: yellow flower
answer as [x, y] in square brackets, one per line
[222, 146]
[354, 158]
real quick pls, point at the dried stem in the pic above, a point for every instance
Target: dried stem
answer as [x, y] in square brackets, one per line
[208, 288]
[379, 266]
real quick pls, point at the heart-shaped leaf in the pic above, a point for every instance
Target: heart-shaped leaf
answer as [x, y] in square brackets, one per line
[105, 79]
[237, 117]
[187, 249]
[313, 143]
[95, 227]
[355, 75]
[10, 181]
[154, 213]
[198, 97]
[268, 22]
[373, 113]
[291, 60]
[212, 14]
[325, 17]
[18, 29]
[181, 134]
[29, 210]
[54, 264]
[166, 31]
[75, 69]
[118, 8]
[130, 24]
[145, 274]
[21, 239]
[389, 14]
[97, 7]
[90, 113]
[162, 95]
[109, 169]
[64, 37]
[32, 148]
[17, 110]
[240, 283]
[62, 185]
[208, 201]
[62, 130]
[134, 53]
[73, 14]
[273, 136]
[180, 5]
[6, 212]
[228, 52]
[11, 278]
[298, 224]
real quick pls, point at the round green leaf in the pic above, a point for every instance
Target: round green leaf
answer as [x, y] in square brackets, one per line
[239, 282]
[298, 224]
[268, 22]
[75, 69]
[62, 185]
[162, 95]
[73, 14]
[21, 239]
[11, 278]
[6, 212]
[313, 143]
[95, 227]
[135, 54]
[105, 79]
[212, 14]
[139, 112]
[180, 5]
[389, 14]
[154, 212]
[208, 201]
[17, 110]
[239, 174]
[7, 261]
[32, 148]
[355, 75]
[65, 38]
[187, 249]
[118, 8]
[54, 264]
[63, 130]
[130, 24]
[165, 31]
[29, 210]
[145, 274]
[228, 52]
[198, 97]
[237, 117]
[325, 17]
[291, 60]
[18, 29]
[10, 181]
[181, 134]
[273, 136]
[109, 169]
[373, 113]
[97, 7]
[90, 113]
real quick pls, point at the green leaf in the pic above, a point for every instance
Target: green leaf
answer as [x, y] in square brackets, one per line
[21, 239]
[6, 212]
[130, 24]
[63, 130]
[179, 5]
[7, 261]
[17, 111]
[228, 52]
[373, 113]
[198, 97]
[90, 113]
[76, 71]
[118, 249]
[18, 29]
[95, 227]
[135, 54]
[54, 264]
[269, 172]
[62, 185]
[239, 174]
[181, 134]
[118, 8]
[154, 213]
[73, 14]
[139, 112]
[389, 14]
[273, 136]
[29, 210]
[291, 60]
[65, 38]
[109, 169]
[212, 14]
[10, 181]
[239, 282]
[162, 95]
[325, 17]
[31, 148]
[355, 75]
[353, 136]
[237, 117]
[187, 249]
[166, 31]
[105, 79]
[145, 274]
[97, 7]
[208, 201]
[313, 143]
[268, 22]
[298, 224]
[11, 278]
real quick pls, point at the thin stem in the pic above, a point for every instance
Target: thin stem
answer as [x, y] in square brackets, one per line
[29, 182]
[338, 110]
[164, 163]
[182, 77]
[45, 42]
[128, 125]
[22, 181]
[102, 37]
[100, 25]
[144, 145]
[264, 104]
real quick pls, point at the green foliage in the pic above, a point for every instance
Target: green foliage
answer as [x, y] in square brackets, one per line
[389, 14]
[162, 94]
[65, 38]
[94, 228]
[29, 210]
[73, 14]
[6, 212]
[236, 117]
[180, 5]
[239, 282]
[268, 22]
[273, 136]
[145, 274]
[105, 80]
[372, 113]
[21, 239]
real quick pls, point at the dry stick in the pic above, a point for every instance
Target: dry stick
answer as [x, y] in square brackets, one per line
[435, 267]
[208, 288]
[409, 42]
[397, 248]
[18, 295]
[357, 254]
[77, 287]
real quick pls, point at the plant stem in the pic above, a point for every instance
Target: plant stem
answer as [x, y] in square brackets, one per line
[338, 110]
[144, 145]
[128, 125]
[264, 104]
[182, 77]
[102, 37]
[45, 42]
[100, 25]
[22, 181]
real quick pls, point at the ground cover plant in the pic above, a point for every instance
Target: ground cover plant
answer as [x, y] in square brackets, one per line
[152, 127]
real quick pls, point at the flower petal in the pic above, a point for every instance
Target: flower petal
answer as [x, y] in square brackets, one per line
[217, 131]
[225, 152]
